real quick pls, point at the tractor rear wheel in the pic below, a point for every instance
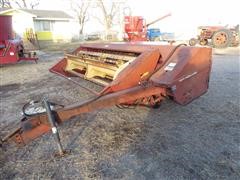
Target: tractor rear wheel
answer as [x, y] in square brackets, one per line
[193, 42]
[221, 38]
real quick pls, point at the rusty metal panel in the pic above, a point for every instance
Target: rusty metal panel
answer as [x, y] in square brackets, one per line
[186, 74]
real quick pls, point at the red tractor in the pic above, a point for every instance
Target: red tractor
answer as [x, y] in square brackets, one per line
[220, 36]
[12, 50]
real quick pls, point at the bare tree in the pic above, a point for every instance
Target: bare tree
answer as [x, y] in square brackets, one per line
[28, 4]
[109, 11]
[80, 8]
[5, 4]
[34, 4]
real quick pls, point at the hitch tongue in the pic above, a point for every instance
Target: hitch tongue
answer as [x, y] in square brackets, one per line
[9, 136]
[52, 122]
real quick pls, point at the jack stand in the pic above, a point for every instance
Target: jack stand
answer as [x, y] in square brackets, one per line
[55, 133]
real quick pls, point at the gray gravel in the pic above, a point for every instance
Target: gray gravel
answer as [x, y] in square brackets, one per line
[197, 141]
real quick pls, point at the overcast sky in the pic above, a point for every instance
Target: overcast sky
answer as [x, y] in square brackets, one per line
[186, 14]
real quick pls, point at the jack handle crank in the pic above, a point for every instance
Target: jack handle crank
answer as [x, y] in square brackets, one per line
[52, 122]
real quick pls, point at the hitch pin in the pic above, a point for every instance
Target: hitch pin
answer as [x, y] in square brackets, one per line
[52, 121]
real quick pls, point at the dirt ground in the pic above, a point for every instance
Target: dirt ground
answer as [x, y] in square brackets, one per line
[197, 141]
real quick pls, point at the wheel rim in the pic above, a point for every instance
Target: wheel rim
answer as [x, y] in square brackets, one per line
[192, 42]
[220, 38]
[203, 42]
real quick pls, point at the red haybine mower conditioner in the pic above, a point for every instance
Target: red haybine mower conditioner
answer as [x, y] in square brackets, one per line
[131, 74]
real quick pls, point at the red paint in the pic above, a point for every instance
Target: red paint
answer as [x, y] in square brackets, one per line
[135, 28]
[6, 31]
[11, 50]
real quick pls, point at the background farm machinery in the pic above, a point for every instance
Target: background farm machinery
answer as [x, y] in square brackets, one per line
[12, 50]
[131, 74]
[220, 36]
[136, 29]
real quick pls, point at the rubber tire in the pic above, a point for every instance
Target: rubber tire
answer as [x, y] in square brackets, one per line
[227, 42]
[193, 41]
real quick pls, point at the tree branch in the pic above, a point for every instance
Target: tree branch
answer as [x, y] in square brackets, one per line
[80, 8]
[5, 4]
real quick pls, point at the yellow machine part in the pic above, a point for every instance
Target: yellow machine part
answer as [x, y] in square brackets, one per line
[99, 67]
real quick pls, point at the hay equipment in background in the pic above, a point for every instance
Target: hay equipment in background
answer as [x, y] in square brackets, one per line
[12, 50]
[136, 28]
[217, 36]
